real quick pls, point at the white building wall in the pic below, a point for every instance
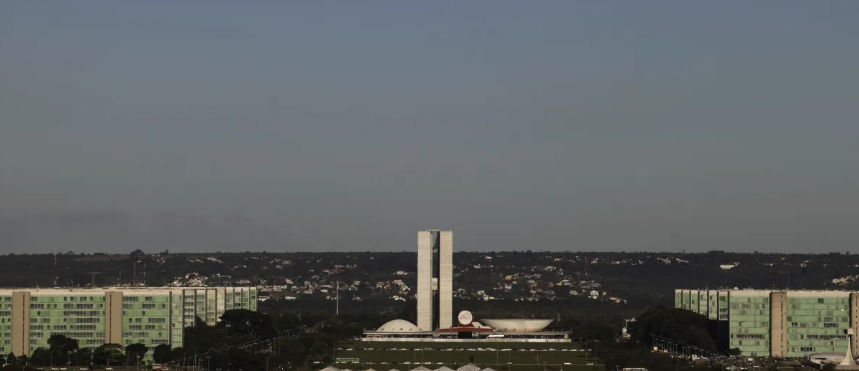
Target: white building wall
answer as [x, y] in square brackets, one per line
[424, 293]
[446, 279]
[222, 302]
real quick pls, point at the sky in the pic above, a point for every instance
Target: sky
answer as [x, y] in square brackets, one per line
[322, 125]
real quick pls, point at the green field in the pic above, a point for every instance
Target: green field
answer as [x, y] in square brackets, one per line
[501, 356]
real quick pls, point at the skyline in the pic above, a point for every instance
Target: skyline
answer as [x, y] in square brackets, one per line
[336, 126]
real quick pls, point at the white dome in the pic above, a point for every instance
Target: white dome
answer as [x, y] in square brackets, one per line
[398, 325]
[518, 325]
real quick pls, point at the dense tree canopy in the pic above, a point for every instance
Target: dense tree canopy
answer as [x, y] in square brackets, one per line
[109, 354]
[63, 344]
[162, 354]
[135, 353]
[676, 324]
[247, 322]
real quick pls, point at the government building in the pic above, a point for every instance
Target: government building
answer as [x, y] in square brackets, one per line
[440, 342]
[778, 323]
[150, 316]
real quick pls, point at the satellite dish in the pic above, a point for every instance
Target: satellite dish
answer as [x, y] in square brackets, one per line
[465, 318]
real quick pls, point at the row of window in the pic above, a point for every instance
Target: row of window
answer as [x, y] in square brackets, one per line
[136, 298]
[145, 327]
[748, 336]
[73, 320]
[129, 334]
[822, 337]
[144, 306]
[83, 327]
[65, 298]
[815, 324]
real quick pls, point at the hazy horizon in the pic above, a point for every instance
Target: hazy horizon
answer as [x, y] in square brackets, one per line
[348, 126]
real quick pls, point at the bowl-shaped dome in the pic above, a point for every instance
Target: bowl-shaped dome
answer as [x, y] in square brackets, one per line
[398, 325]
[517, 325]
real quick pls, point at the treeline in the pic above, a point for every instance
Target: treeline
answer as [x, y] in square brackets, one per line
[255, 341]
[64, 351]
[242, 340]
[677, 325]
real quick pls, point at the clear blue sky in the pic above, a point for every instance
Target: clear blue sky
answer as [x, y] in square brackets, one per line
[348, 125]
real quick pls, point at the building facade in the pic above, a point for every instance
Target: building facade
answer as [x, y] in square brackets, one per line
[778, 323]
[151, 316]
[435, 279]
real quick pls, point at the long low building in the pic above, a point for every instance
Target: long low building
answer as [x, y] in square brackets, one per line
[775, 323]
[401, 345]
[121, 315]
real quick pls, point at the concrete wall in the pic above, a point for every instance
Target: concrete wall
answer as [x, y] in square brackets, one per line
[854, 321]
[424, 293]
[446, 279]
[778, 324]
[113, 317]
[21, 323]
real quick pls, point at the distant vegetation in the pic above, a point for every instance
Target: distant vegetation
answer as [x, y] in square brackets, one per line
[644, 281]
[636, 277]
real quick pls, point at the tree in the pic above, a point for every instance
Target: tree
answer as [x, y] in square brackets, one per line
[678, 325]
[62, 344]
[247, 322]
[108, 354]
[41, 357]
[161, 354]
[734, 352]
[136, 352]
[295, 351]
[178, 354]
[11, 359]
[409, 312]
[83, 357]
[287, 321]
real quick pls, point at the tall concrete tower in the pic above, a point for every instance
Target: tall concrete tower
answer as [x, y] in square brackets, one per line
[435, 279]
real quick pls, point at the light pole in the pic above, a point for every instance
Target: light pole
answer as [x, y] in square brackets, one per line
[496, 350]
[586, 351]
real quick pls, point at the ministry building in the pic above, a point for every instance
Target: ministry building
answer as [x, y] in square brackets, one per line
[791, 323]
[150, 316]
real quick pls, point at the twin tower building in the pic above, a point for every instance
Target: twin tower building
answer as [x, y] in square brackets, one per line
[435, 280]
